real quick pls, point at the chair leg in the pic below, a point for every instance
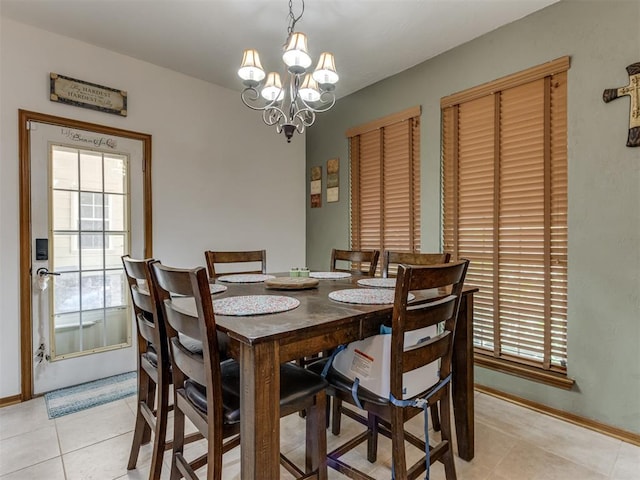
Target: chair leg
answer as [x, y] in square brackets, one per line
[445, 416]
[372, 441]
[214, 454]
[160, 439]
[336, 406]
[178, 439]
[399, 460]
[316, 437]
[435, 418]
[142, 431]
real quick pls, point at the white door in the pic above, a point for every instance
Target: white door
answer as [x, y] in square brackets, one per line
[86, 212]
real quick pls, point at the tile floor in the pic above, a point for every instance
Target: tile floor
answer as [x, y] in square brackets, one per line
[512, 443]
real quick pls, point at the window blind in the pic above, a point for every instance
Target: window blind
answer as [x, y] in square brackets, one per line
[504, 150]
[385, 183]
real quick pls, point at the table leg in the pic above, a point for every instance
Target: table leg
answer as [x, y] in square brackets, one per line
[462, 384]
[260, 411]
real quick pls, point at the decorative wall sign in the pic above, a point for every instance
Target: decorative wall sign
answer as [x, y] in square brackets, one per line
[333, 179]
[633, 90]
[87, 95]
[316, 187]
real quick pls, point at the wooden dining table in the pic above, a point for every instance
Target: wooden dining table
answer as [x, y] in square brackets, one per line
[260, 342]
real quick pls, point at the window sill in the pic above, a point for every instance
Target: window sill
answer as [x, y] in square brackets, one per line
[524, 371]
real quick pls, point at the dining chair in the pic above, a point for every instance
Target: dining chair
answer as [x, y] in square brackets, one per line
[207, 391]
[154, 376]
[387, 413]
[359, 261]
[245, 257]
[390, 259]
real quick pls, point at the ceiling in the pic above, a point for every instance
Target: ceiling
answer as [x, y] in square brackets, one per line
[371, 39]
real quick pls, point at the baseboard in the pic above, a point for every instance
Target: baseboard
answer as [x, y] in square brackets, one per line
[615, 432]
[12, 400]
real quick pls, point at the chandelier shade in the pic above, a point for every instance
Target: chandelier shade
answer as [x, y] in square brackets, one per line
[290, 106]
[251, 69]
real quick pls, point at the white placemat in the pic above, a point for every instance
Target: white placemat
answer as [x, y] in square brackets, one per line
[366, 296]
[245, 278]
[378, 282]
[213, 288]
[329, 275]
[254, 305]
[217, 288]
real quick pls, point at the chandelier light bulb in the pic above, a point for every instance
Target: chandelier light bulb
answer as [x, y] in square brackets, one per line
[325, 72]
[272, 89]
[251, 71]
[309, 90]
[296, 55]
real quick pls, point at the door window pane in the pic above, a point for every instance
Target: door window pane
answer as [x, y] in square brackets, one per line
[116, 249]
[66, 255]
[117, 326]
[65, 206]
[66, 333]
[65, 168]
[115, 212]
[91, 171]
[91, 250]
[115, 174]
[66, 293]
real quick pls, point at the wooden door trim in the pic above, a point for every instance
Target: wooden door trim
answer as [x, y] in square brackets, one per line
[26, 327]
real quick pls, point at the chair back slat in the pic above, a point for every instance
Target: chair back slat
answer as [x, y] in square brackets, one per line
[181, 321]
[391, 259]
[441, 310]
[427, 352]
[360, 261]
[146, 329]
[251, 256]
[191, 364]
[427, 314]
[142, 299]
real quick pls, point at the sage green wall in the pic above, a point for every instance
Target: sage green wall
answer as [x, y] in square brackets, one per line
[602, 38]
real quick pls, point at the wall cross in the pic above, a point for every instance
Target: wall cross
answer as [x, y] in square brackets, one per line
[633, 90]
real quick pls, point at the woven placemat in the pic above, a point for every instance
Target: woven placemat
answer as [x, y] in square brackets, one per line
[254, 305]
[329, 275]
[245, 278]
[378, 282]
[366, 296]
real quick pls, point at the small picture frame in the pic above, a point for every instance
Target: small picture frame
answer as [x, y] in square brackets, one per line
[316, 187]
[333, 180]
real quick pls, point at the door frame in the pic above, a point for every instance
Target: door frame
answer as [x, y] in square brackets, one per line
[26, 321]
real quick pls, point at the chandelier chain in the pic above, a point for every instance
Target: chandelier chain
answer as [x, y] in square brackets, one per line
[293, 19]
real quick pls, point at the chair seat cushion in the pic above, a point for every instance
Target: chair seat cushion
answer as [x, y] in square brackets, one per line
[151, 357]
[295, 384]
[340, 382]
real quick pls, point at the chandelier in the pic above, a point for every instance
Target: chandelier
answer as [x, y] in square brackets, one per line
[292, 107]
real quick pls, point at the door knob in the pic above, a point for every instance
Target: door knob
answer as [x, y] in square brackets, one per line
[44, 272]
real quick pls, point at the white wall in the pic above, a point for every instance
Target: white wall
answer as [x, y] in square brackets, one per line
[221, 178]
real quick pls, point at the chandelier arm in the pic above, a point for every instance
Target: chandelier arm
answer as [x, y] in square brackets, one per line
[304, 117]
[274, 116]
[320, 108]
[253, 96]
